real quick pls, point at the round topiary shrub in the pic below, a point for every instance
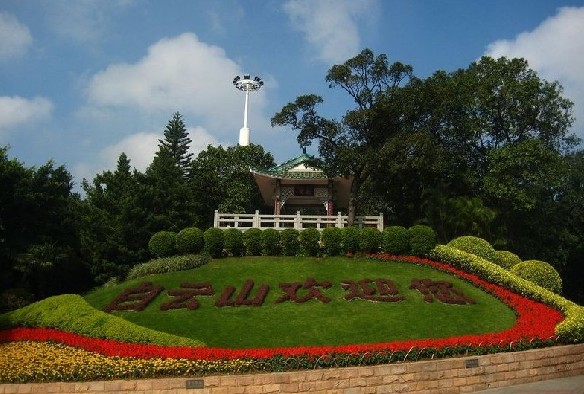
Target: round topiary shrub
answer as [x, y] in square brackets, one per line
[351, 239]
[289, 239]
[233, 242]
[332, 241]
[540, 273]
[506, 259]
[252, 239]
[474, 245]
[310, 241]
[395, 240]
[214, 239]
[369, 240]
[422, 240]
[162, 244]
[190, 240]
[270, 242]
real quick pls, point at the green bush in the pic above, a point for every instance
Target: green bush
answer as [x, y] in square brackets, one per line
[310, 242]
[396, 240]
[506, 259]
[474, 245]
[290, 242]
[571, 330]
[351, 239]
[70, 312]
[190, 240]
[233, 242]
[332, 241]
[252, 239]
[540, 273]
[422, 240]
[162, 244]
[369, 240]
[270, 242]
[168, 264]
[214, 239]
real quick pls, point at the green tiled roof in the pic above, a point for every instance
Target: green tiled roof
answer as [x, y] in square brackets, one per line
[284, 169]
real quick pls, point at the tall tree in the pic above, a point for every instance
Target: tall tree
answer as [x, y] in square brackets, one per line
[221, 179]
[348, 146]
[176, 142]
[115, 230]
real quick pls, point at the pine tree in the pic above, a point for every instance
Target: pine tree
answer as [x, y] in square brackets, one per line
[176, 143]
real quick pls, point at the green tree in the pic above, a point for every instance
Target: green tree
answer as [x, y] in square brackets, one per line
[176, 143]
[115, 229]
[40, 244]
[166, 193]
[348, 146]
[220, 178]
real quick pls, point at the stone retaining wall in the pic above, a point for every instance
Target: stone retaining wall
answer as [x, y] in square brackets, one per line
[455, 375]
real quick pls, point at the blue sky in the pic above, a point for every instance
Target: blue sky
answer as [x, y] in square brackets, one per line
[83, 80]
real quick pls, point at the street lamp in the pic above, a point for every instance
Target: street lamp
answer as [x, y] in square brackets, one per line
[246, 84]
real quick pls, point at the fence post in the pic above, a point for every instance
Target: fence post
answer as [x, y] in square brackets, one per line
[216, 219]
[380, 222]
[339, 220]
[298, 221]
[256, 219]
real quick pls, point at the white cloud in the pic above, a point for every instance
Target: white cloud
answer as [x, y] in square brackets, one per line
[83, 21]
[177, 74]
[16, 37]
[330, 26]
[555, 49]
[15, 111]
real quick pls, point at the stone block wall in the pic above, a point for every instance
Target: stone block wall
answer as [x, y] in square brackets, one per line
[455, 375]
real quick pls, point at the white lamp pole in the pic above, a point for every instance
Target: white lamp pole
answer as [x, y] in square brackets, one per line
[246, 84]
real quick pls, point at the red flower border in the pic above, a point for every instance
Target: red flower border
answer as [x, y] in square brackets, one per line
[535, 321]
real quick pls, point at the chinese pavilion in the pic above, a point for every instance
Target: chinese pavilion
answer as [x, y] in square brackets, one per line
[294, 186]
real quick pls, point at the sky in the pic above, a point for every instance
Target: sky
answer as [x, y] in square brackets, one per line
[82, 81]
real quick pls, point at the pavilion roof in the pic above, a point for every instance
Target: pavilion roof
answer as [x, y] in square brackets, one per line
[294, 168]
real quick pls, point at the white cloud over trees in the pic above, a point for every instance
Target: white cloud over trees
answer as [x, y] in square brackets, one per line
[555, 49]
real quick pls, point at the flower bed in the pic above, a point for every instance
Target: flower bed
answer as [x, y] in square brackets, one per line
[534, 327]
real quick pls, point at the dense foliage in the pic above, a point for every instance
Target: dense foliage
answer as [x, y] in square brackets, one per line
[485, 150]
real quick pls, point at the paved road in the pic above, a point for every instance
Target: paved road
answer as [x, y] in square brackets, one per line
[571, 385]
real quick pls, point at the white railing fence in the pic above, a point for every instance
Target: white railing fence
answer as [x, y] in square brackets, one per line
[245, 221]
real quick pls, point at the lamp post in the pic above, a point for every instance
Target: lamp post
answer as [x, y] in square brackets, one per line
[246, 84]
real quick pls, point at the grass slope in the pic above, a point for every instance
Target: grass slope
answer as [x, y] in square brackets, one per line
[312, 323]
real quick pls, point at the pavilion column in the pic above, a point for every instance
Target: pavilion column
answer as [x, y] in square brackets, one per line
[277, 204]
[330, 205]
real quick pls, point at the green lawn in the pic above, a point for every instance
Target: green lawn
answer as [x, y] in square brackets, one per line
[313, 323]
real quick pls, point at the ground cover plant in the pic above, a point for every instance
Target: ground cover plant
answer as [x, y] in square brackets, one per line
[534, 327]
[313, 323]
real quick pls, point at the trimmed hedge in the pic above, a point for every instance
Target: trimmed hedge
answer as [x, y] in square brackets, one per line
[190, 240]
[168, 264]
[332, 241]
[571, 330]
[252, 239]
[289, 239]
[369, 240]
[351, 239]
[270, 242]
[540, 273]
[474, 245]
[310, 242]
[396, 240]
[506, 259]
[422, 239]
[162, 244]
[233, 242]
[214, 239]
[70, 312]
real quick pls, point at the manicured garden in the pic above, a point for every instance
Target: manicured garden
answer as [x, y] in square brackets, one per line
[278, 313]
